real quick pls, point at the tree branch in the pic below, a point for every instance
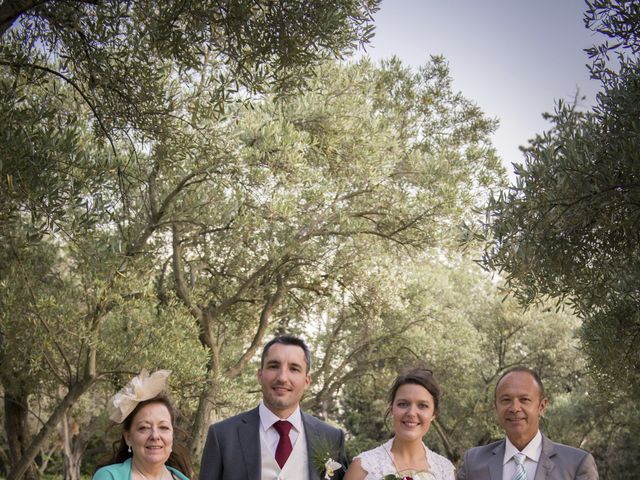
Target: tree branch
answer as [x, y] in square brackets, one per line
[265, 316]
[93, 108]
[181, 286]
[10, 11]
[72, 396]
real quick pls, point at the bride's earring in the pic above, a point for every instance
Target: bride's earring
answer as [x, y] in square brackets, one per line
[129, 449]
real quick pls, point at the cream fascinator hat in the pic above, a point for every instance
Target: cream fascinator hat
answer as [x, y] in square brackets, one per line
[141, 387]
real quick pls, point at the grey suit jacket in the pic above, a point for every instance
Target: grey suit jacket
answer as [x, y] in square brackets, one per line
[232, 449]
[557, 462]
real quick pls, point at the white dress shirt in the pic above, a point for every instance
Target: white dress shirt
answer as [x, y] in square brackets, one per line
[271, 435]
[532, 452]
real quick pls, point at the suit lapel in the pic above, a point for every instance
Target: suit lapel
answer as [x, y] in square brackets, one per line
[495, 463]
[545, 464]
[313, 438]
[249, 439]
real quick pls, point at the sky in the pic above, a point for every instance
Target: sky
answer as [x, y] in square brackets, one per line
[514, 58]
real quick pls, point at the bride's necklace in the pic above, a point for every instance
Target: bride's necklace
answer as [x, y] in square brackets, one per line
[412, 470]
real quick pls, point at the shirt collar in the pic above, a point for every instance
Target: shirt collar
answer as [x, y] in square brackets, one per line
[268, 418]
[533, 450]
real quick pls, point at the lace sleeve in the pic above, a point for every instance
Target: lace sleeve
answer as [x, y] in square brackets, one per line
[376, 463]
[442, 468]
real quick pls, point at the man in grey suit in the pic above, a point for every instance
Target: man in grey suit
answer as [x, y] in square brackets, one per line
[252, 445]
[525, 454]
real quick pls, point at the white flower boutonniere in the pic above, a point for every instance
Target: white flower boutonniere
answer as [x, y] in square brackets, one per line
[322, 458]
[330, 466]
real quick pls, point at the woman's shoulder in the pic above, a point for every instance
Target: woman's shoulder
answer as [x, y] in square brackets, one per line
[377, 460]
[177, 474]
[115, 471]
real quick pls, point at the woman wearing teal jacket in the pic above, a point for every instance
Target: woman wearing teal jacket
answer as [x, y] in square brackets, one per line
[146, 450]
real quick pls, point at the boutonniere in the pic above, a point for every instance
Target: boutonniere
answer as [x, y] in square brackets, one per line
[323, 460]
[330, 466]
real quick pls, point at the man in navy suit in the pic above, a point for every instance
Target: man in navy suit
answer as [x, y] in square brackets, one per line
[525, 454]
[248, 446]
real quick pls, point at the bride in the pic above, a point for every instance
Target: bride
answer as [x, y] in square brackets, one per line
[413, 404]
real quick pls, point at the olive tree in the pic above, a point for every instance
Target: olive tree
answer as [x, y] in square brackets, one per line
[90, 90]
[568, 227]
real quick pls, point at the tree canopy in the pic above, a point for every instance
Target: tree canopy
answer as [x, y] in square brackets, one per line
[115, 53]
[91, 93]
[568, 228]
[180, 180]
[227, 227]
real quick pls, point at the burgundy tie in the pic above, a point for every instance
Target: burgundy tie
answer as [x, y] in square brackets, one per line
[283, 450]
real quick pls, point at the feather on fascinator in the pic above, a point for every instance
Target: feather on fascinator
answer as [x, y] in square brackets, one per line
[141, 387]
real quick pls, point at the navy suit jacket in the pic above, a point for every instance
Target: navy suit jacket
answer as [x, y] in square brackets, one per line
[232, 449]
[557, 462]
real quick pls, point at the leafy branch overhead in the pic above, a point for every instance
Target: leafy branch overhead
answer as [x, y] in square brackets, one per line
[116, 54]
[568, 228]
[107, 108]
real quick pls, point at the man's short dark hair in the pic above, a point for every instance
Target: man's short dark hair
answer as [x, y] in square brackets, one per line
[520, 368]
[287, 340]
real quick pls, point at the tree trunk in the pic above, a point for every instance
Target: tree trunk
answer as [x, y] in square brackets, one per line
[4, 459]
[16, 413]
[205, 415]
[206, 404]
[21, 467]
[453, 455]
[72, 449]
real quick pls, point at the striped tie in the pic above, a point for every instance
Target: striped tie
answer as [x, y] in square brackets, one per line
[520, 473]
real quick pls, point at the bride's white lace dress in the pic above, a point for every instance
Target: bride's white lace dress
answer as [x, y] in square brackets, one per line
[379, 462]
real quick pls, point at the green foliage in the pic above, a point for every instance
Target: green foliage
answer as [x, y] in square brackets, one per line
[303, 188]
[116, 53]
[444, 313]
[110, 112]
[568, 227]
[178, 249]
[617, 20]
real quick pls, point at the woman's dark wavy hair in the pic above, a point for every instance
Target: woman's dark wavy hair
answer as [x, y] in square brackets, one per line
[179, 457]
[416, 376]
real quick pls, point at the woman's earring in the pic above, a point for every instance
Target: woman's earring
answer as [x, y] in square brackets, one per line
[129, 449]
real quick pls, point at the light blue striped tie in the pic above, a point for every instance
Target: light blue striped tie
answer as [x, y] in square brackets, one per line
[520, 473]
